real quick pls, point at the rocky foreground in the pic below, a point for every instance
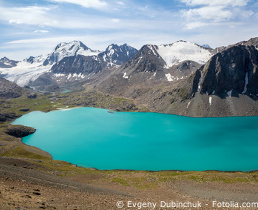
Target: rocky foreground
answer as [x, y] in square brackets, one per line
[26, 185]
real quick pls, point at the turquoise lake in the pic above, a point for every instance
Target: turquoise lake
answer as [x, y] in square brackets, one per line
[96, 138]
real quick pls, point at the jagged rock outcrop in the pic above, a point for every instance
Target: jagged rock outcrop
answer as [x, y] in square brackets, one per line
[234, 69]
[32, 95]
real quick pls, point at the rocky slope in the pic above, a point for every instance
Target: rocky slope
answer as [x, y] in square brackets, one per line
[9, 89]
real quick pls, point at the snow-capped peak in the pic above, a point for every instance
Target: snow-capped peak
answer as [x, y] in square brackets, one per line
[38, 59]
[181, 51]
[7, 63]
[117, 54]
[67, 49]
[206, 46]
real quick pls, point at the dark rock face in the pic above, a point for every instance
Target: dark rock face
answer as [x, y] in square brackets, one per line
[19, 131]
[145, 61]
[5, 116]
[250, 42]
[30, 59]
[77, 65]
[32, 95]
[116, 54]
[7, 63]
[9, 89]
[25, 110]
[232, 69]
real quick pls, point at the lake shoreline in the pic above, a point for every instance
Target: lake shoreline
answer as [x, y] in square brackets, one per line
[128, 134]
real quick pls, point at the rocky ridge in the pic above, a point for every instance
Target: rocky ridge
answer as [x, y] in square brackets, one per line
[67, 63]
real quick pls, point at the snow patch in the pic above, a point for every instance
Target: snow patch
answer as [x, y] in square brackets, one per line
[125, 76]
[59, 75]
[210, 100]
[169, 77]
[112, 51]
[69, 76]
[104, 57]
[139, 60]
[151, 47]
[229, 93]
[199, 84]
[182, 51]
[246, 82]
[25, 72]
[188, 104]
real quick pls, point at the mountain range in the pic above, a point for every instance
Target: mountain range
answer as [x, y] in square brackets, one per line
[180, 78]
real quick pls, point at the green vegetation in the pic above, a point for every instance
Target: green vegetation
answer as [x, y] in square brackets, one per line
[21, 152]
[120, 181]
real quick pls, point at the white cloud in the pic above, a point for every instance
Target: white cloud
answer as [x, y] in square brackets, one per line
[214, 13]
[232, 3]
[208, 12]
[120, 3]
[194, 25]
[85, 3]
[50, 17]
[41, 31]
[115, 20]
[32, 15]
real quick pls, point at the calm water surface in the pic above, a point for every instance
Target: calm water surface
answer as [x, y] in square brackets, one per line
[93, 137]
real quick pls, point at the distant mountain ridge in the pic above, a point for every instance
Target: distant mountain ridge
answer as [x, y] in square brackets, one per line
[28, 71]
[7, 63]
[74, 61]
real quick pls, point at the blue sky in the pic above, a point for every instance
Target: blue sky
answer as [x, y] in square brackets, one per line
[34, 27]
